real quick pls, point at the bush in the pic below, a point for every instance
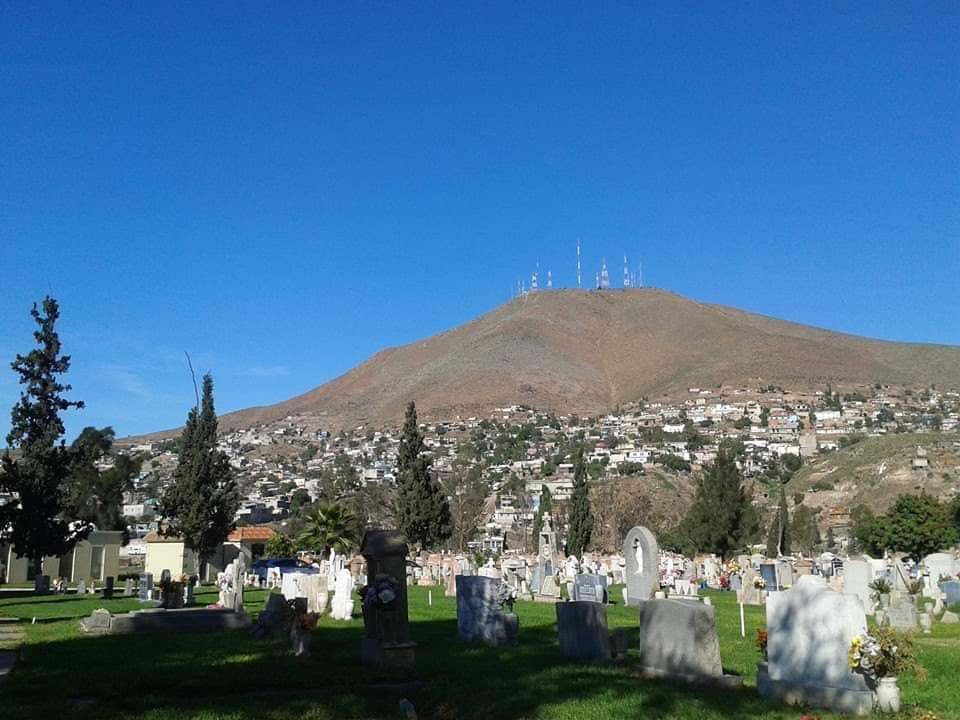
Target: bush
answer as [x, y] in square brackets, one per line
[823, 485]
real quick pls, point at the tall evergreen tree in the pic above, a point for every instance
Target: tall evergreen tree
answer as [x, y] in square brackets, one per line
[36, 523]
[423, 512]
[201, 504]
[581, 517]
[722, 519]
[778, 538]
[545, 509]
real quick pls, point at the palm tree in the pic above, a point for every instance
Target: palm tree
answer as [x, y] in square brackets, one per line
[329, 525]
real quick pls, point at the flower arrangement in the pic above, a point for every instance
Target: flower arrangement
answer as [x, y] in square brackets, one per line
[915, 587]
[733, 566]
[761, 641]
[381, 593]
[759, 583]
[881, 654]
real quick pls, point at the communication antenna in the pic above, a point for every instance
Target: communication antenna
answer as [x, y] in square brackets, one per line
[534, 284]
[640, 277]
[578, 263]
[549, 280]
[604, 276]
[626, 273]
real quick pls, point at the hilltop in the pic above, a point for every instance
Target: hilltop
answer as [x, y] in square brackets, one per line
[572, 351]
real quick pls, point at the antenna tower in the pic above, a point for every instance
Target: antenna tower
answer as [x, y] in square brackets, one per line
[626, 273]
[549, 280]
[604, 283]
[578, 264]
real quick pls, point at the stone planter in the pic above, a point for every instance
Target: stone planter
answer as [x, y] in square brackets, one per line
[887, 695]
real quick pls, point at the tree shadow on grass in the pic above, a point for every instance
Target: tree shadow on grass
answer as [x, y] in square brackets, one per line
[232, 675]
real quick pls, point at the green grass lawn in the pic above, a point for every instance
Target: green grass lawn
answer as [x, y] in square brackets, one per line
[65, 673]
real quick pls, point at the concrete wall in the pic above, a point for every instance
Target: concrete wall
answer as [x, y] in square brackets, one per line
[18, 568]
[172, 556]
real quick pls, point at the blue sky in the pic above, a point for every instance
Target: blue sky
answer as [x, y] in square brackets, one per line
[284, 188]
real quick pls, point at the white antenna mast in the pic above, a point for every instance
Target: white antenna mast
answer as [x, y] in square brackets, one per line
[578, 263]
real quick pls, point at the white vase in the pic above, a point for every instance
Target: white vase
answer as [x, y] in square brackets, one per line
[887, 695]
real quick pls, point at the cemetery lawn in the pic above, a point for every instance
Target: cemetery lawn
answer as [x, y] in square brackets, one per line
[62, 672]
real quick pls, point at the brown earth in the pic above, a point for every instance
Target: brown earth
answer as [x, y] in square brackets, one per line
[588, 351]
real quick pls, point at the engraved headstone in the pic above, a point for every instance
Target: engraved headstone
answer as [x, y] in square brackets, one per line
[590, 588]
[582, 631]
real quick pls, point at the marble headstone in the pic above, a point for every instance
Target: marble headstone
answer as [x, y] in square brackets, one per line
[582, 631]
[479, 614]
[857, 576]
[642, 564]
[809, 629]
[679, 639]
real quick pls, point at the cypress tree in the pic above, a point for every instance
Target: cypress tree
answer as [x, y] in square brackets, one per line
[546, 507]
[778, 537]
[423, 512]
[36, 524]
[581, 517]
[201, 504]
[721, 519]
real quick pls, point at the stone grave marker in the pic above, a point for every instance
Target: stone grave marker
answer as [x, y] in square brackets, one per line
[857, 576]
[146, 586]
[128, 587]
[582, 631]
[940, 565]
[82, 587]
[642, 570]
[951, 592]
[678, 639]
[768, 571]
[386, 644]
[902, 615]
[590, 588]
[480, 617]
[809, 630]
[108, 589]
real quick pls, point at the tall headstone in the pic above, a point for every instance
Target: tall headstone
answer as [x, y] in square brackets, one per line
[809, 631]
[480, 616]
[951, 592]
[768, 571]
[239, 577]
[128, 587]
[108, 589]
[146, 587]
[342, 608]
[642, 564]
[857, 576]
[386, 643]
[582, 631]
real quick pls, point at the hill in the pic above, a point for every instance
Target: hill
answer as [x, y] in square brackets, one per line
[587, 352]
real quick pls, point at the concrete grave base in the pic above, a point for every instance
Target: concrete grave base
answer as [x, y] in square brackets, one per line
[160, 620]
[730, 682]
[392, 657]
[837, 699]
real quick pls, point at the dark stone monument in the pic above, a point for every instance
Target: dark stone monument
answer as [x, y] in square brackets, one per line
[41, 584]
[582, 631]
[108, 589]
[768, 571]
[387, 643]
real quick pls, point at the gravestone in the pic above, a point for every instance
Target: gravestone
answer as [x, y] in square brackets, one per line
[343, 596]
[128, 587]
[82, 587]
[951, 592]
[108, 589]
[809, 631]
[902, 615]
[386, 644]
[784, 574]
[642, 564]
[549, 590]
[857, 576]
[590, 588]
[582, 631]
[41, 584]
[736, 582]
[98, 622]
[749, 592]
[768, 571]
[940, 565]
[678, 639]
[801, 568]
[146, 586]
[480, 617]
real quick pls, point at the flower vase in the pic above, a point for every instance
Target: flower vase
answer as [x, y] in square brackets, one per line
[887, 695]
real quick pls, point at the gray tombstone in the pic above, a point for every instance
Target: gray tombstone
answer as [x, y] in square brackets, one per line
[582, 631]
[165, 576]
[951, 592]
[128, 587]
[108, 589]
[768, 571]
[785, 574]
[679, 639]
[479, 614]
[642, 564]
[857, 576]
[41, 584]
[146, 586]
[809, 630]
[82, 587]
[536, 579]
[590, 588]
[902, 615]
[239, 581]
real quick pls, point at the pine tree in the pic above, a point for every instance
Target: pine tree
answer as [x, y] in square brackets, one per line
[722, 519]
[423, 513]
[201, 505]
[36, 524]
[546, 507]
[581, 517]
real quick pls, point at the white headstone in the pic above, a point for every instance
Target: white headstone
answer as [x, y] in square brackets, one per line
[342, 607]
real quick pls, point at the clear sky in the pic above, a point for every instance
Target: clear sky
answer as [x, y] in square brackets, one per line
[284, 188]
